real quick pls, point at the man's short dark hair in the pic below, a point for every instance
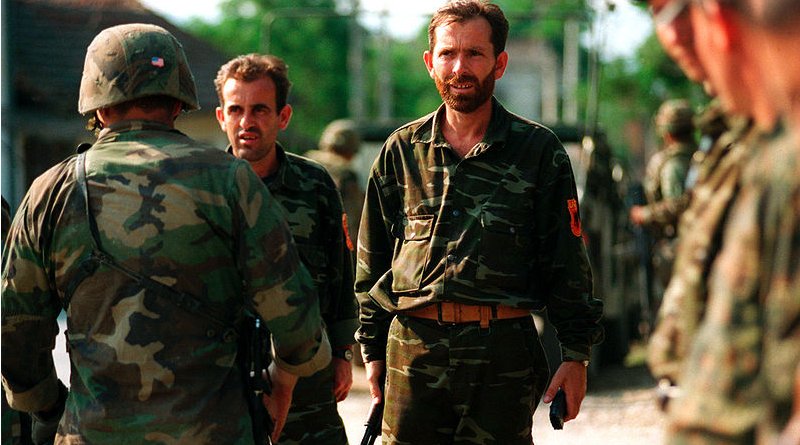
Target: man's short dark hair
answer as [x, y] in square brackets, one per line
[459, 11]
[148, 103]
[251, 67]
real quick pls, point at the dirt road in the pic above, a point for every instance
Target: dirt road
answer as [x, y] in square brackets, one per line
[619, 409]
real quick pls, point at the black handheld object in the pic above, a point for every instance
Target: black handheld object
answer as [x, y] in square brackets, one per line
[255, 356]
[373, 424]
[374, 420]
[558, 410]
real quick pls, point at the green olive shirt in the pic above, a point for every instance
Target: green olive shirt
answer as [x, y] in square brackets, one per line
[500, 226]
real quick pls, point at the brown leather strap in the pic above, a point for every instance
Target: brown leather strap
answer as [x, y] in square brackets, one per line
[456, 313]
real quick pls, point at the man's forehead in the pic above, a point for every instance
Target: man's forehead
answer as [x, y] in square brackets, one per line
[256, 92]
[474, 32]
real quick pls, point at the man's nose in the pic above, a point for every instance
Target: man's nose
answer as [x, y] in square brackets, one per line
[246, 121]
[460, 65]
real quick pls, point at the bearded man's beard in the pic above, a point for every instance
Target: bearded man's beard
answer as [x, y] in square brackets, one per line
[465, 103]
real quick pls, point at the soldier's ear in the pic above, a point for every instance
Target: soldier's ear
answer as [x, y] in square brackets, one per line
[221, 118]
[722, 24]
[500, 65]
[102, 115]
[176, 110]
[284, 116]
[427, 57]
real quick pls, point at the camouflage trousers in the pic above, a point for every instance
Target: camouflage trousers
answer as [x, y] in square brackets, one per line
[313, 418]
[459, 384]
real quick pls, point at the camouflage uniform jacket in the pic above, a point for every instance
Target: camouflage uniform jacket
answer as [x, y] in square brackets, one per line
[313, 209]
[497, 227]
[700, 229]
[143, 369]
[348, 184]
[664, 183]
[739, 376]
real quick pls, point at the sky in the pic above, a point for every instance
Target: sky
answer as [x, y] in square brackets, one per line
[621, 30]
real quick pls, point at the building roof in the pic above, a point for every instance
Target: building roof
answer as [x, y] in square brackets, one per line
[47, 41]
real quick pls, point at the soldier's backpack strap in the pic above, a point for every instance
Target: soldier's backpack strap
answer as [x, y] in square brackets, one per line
[98, 256]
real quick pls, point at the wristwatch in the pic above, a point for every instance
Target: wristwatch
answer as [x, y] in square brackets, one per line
[584, 362]
[344, 353]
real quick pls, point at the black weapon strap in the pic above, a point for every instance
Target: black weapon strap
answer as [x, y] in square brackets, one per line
[98, 256]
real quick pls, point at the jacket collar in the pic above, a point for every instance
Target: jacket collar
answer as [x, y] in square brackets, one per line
[133, 125]
[430, 131]
[286, 176]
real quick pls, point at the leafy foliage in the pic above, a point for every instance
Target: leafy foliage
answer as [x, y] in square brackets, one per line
[632, 90]
[313, 37]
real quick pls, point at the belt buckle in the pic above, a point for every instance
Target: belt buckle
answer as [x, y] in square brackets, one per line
[441, 319]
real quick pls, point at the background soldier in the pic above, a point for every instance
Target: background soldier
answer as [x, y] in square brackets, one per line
[155, 245]
[253, 91]
[338, 145]
[664, 183]
[470, 223]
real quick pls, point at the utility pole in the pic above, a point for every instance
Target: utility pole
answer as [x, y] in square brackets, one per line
[385, 91]
[570, 71]
[355, 65]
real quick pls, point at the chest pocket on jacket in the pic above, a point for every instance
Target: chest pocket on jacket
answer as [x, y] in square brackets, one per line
[504, 253]
[411, 252]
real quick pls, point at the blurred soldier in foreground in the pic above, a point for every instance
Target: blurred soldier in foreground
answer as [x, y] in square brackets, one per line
[738, 380]
[674, 31]
[700, 225]
[253, 92]
[664, 183]
[780, 30]
[471, 222]
[338, 145]
[154, 245]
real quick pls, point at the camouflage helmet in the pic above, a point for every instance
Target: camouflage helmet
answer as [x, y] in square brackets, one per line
[340, 136]
[131, 61]
[675, 117]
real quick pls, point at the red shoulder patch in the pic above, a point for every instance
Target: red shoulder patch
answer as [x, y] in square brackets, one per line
[574, 218]
[347, 233]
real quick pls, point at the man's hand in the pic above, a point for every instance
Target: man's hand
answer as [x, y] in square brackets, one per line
[280, 400]
[791, 433]
[376, 370]
[44, 424]
[636, 215]
[570, 376]
[342, 378]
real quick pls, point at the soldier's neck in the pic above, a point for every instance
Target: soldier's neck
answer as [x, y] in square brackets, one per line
[464, 130]
[266, 166]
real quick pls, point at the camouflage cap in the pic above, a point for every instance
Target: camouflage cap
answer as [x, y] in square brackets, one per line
[675, 116]
[131, 61]
[340, 136]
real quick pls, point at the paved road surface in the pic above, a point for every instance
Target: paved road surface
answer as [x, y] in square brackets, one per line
[618, 410]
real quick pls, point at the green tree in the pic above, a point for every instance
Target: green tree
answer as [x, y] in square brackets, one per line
[631, 90]
[313, 37]
[313, 40]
